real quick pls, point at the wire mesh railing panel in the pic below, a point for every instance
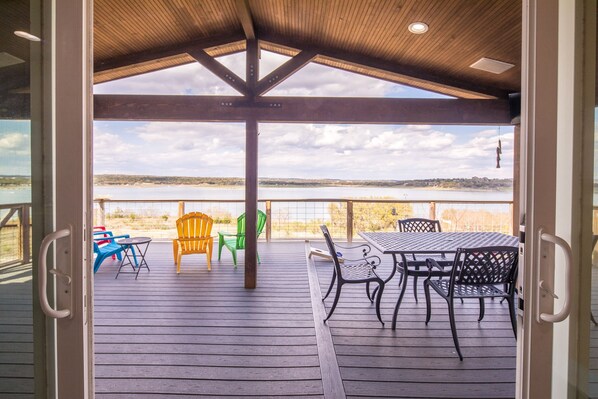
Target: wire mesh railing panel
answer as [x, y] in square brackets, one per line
[302, 219]
[383, 216]
[224, 214]
[475, 217]
[138, 218]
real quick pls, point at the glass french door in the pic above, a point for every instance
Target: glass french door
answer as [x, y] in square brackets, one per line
[44, 150]
[557, 335]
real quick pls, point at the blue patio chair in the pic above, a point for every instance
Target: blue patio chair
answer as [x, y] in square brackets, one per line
[108, 248]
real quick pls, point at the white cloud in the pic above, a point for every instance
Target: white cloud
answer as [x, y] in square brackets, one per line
[17, 143]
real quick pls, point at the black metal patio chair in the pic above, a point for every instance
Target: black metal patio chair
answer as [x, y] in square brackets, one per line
[353, 272]
[476, 273]
[421, 225]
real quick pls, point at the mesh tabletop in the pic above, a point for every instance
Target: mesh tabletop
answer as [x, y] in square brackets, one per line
[398, 242]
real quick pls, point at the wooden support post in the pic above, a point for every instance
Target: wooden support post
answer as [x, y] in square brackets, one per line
[516, 179]
[251, 185]
[251, 170]
[25, 233]
[181, 209]
[432, 210]
[268, 221]
[349, 221]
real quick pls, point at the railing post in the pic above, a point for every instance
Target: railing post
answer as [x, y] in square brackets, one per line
[512, 221]
[181, 209]
[25, 233]
[349, 221]
[432, 210]
[268, 221]
[102, 214]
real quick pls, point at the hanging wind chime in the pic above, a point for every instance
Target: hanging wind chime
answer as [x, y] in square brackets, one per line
[498, 150]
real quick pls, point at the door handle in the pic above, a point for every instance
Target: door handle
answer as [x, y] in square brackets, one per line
[43, 275]
[541, 285]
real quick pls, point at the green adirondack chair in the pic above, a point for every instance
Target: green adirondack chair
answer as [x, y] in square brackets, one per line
[237, 241]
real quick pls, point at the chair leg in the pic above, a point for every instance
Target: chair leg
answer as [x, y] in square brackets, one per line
[209, 258]
[331, 285]
[593, 319]
[175, 250]
[415, 288]
[428, 301]
[367, 291]
[220, 245]
[336, 298]
[258, 258]
[482, 309]
[398, 305]
[234, 252]
[454, 327]
[511, 303]
[378, 300]
[178, 262]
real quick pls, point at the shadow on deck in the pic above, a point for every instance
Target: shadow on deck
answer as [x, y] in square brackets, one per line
[201, 333]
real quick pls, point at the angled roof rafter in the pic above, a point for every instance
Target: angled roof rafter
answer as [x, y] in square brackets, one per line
[284, 71]
[148, 56]
[454, 86]
[227, 76]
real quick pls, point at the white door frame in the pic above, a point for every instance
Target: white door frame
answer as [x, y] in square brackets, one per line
[554, 131]
[66, 178]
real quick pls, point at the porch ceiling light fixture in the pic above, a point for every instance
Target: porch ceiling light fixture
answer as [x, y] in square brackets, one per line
[28, 36]
[418, 28]
[490, 65]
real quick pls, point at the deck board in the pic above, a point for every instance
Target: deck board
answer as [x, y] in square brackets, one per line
[201, 333]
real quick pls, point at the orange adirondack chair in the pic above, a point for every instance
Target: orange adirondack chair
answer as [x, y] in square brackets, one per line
[194, 231]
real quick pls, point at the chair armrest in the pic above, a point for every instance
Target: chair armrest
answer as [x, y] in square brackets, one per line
[372, 260]
[111, 238]
[104, 233]
[366, 248]
[231, 234]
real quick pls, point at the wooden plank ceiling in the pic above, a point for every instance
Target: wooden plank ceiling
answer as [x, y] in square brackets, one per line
[364, 36]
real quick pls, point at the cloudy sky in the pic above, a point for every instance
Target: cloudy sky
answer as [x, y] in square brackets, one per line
[285, 150]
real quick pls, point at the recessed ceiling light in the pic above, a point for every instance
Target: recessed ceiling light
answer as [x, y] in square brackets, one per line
[418, 28]
[490, 65]
[27, 36]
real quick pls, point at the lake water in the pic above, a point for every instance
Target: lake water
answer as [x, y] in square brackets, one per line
[16, 195]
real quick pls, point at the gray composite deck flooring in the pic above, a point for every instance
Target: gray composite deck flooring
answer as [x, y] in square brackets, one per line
[415, 360]
[16, 332]
[202, 334]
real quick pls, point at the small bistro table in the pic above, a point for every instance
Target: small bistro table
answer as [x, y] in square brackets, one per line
[399, 245]
[127, 244]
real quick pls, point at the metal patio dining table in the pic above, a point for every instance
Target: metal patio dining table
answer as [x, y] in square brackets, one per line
[401, 245]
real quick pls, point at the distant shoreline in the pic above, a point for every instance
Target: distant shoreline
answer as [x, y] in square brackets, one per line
[470, 184]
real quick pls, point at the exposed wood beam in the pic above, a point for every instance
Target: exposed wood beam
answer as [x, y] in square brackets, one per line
[220, 70]
[411, 72]
[252, 71]
[164, 52]
[244, 15]
[281, 73]
[302, 109]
